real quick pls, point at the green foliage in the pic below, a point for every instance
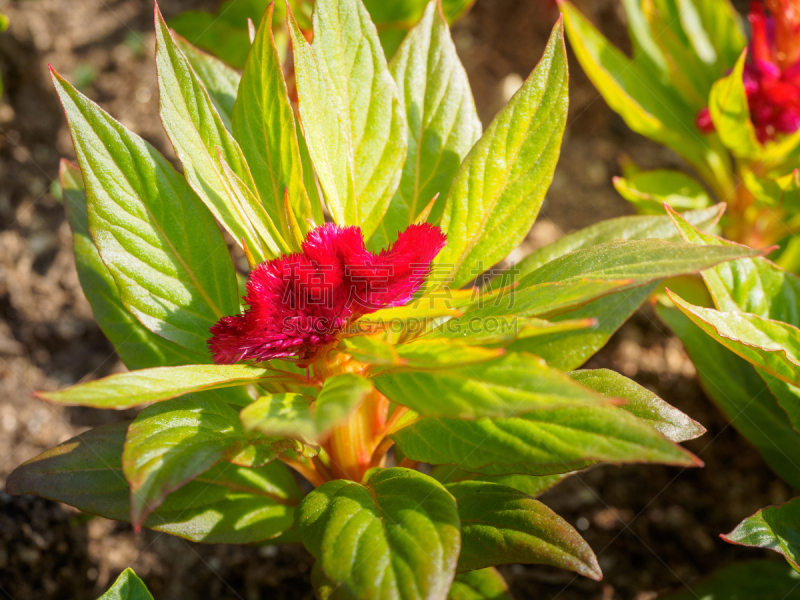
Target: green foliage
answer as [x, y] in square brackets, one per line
[774, 527]
[127, 587]
[752, 580]
[479, 383]
[394, 536]
[499, 188]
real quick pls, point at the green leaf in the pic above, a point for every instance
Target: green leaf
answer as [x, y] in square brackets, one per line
[731, 114]
[569, 350]
[224, 33]
[173, 274]
[642, 260]
[419, 354]
[264, 126]
[504, 387]
[225, 505]
[326, 130]
[771, 345]
[394, 537]
[753, 285]
[501, 525]
[543, 442]
[641, 402]
[403, 12]
[347, 47]
[304, 418]
[787, 396]
[201, 142]
[547, 298]
[499, 188]
[649, 190]
[751, 580]
[221, 82]
[775, 528]
[532, 485]
[484, 584]
[128, 586]
[776, 192]
[621, 228]
[633, 90]
[737, 390]
[136, 345]
[476, 330]
[443, 122]
[172, 442]
[577, 278]
[125, 390]
[717, 27]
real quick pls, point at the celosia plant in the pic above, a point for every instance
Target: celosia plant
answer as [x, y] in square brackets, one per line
[732, 112]
[747, 351]
[311, 412]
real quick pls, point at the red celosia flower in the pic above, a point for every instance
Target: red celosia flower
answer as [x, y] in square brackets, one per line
[772, 77]
[302, 302]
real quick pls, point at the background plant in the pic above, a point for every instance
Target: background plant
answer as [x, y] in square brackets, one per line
[746, 353]
[692, 87]
[226, 34]
[507, 409]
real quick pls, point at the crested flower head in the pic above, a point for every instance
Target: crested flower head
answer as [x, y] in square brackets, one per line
[772, 76]
[300, 303]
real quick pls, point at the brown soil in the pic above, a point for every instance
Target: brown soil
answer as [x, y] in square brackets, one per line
[653, 528]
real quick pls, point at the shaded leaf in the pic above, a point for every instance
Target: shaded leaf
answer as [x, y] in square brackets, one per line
[172, 442]
[738, 391]
[225, 505]
[569, 350]
[395, 537]
[621, 228]
[501, 525]
[751, 580]
[484, 584]
[771, 345]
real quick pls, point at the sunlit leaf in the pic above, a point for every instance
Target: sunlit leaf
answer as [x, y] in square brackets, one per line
[127, 587]
[499, 188]
[125, 390]
[443, 123]
[174, 275]
[774, 527]
[347, 48]
[641, 402]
